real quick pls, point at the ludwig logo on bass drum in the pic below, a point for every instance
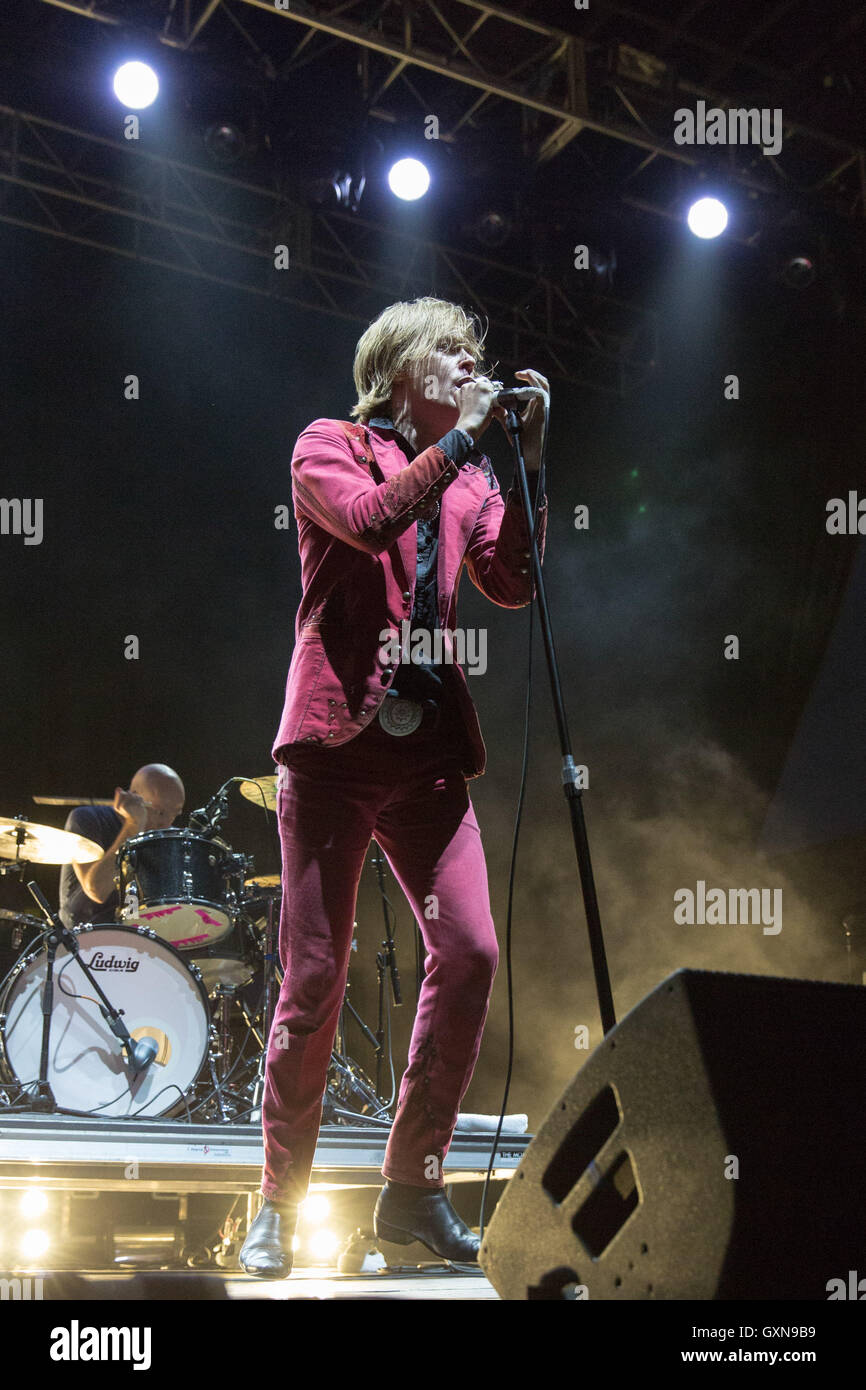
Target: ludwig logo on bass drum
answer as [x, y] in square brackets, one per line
[100, 961]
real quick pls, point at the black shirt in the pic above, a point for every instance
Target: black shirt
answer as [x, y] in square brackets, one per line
[421, 679]
[102, 824]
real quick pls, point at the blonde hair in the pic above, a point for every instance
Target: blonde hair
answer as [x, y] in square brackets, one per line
[403, 336]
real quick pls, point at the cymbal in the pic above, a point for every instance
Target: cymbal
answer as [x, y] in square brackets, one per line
[262, 791]
[43, 844]
[263, 881]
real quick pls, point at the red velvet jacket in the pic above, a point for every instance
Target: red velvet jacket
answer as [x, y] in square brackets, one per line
[355, 502]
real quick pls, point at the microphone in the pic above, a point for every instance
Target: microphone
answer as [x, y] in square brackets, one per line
[141, 1054]
[518, 395]
[207, 818]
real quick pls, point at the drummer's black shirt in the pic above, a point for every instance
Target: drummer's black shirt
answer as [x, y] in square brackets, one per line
[102, 824]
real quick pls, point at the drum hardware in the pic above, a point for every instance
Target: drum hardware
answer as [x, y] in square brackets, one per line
[131, 906]
[232, 1076]
[350, 1091]
[207, 820]
[231, 961]
[217, 1072]
[21, 922]
[25, 933]
[226, 996]
[269, 956]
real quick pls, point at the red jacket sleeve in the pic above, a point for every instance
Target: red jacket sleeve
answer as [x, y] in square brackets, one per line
[497, 556]
[332, 488]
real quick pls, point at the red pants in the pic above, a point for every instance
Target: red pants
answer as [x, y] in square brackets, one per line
[411, 795]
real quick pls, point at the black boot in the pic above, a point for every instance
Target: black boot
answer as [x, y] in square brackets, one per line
[405, 1213]
[267, 1250]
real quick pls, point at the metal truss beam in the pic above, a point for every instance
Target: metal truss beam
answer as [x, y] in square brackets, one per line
[114, 197]
[546, 48]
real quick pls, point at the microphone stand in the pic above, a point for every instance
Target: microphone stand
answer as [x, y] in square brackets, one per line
[572, 792]
[207, 821]
[386, 959]
[61, 935]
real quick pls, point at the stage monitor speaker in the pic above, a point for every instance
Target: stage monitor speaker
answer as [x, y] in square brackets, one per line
[712, 1146]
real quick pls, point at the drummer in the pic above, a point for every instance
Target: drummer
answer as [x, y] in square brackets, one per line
[154, 801]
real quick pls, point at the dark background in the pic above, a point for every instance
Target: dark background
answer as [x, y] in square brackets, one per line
[707, 518]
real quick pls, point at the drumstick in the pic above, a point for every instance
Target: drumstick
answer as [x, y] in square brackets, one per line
[73, 801]
[79, 801]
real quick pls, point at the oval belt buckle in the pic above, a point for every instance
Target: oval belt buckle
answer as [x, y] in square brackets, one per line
[399, 716]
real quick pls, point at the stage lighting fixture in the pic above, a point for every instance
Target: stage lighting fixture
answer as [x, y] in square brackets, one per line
[323, 1246]
[338, 189]
[798, 271]
[33, 1202]
[136, 85]
[34, 1243]
[408, 179]
[493, 227]
[707, 218]
[315, 1208]
[225, 142]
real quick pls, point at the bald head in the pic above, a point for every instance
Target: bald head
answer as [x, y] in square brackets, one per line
[164, 792]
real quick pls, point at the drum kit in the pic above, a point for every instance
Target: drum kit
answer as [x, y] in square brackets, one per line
[166, 1010]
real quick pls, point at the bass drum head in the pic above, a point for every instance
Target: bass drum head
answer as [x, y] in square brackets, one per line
[159, 996]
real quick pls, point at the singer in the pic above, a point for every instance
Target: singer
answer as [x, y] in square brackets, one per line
[389, 510]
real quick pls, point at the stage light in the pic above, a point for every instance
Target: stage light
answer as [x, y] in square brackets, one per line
[493, 227]
[315, 1208]
[798, 271]
[225, 142]
[323, 1245]
[408, 179]
[339, 189]
[34, 1243]
[707, 218]
[136, 85]
[33, 1203]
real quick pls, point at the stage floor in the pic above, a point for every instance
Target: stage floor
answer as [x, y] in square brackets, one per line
[101, 1199]
[81, 1153]
[433, 1281]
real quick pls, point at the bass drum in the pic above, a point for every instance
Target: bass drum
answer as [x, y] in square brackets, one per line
[160, 995]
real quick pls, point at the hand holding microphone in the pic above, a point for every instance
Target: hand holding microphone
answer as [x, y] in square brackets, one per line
[536, 394]
[476, 398]
[480, 400]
